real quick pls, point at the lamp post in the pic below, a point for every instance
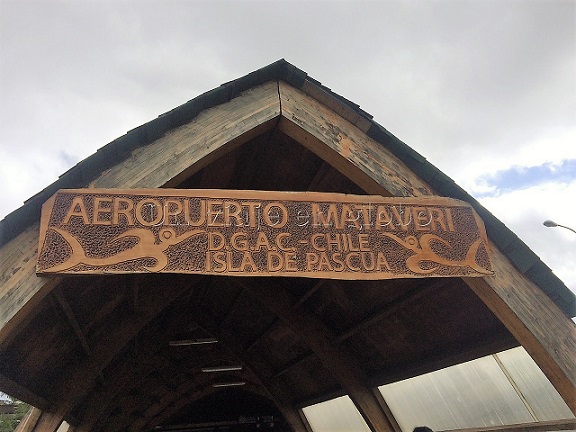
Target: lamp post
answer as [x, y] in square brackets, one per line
[551, 224]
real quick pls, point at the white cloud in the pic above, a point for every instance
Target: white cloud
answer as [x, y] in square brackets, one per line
[524, 211]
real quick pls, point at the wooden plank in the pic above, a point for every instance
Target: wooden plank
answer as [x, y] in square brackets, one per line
[536, 322]
[49, 422]
[339, 107]
[259, 233]
[28, 423]
[187, 149]
[21, 291]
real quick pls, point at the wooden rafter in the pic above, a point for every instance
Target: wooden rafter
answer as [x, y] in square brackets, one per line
[417, 293]
[65, 306]
[232, 307]
[259, 368]
[78, 380]
[544, 331]
[319, 338]
[16, 390]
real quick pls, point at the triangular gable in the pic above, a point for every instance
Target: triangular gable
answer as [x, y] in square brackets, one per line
[129, 147]
[170, 149]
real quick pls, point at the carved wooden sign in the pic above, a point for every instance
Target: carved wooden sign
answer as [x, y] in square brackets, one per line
[258, 233]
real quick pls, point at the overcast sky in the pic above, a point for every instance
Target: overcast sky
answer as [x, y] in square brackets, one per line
[485, 90]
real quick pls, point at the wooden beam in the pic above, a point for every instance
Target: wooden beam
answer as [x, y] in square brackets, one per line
[22, 393]
[300, 301]
[414, 294]
[424, 289]
[49, 421]
[79, 378]
[71, 318]
[65, 306]
[536, 322]
[266, 332]
[21, 291]
[320, 339]
[309, 355]
[28, 423]
[185, 150]
[231, 309]
[310, 292]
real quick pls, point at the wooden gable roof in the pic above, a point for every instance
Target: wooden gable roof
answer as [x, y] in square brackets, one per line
[96, 351]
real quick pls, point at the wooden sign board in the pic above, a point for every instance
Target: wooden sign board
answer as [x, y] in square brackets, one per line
[258, 233]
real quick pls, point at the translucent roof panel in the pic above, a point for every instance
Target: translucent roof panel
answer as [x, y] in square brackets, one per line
[336, 415]
[541, 397]
[503, 389]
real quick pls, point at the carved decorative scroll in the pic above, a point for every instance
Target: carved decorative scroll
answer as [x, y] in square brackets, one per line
[258, 233]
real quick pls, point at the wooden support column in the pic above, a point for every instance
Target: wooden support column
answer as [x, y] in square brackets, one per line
[321, 340]
[536, 322]
[28, 423]
[21, 291]
[49, 421]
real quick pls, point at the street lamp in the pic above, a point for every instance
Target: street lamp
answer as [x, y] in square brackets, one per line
[551, 224]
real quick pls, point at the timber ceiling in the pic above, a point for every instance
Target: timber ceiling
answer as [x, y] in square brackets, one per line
[282, 331]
